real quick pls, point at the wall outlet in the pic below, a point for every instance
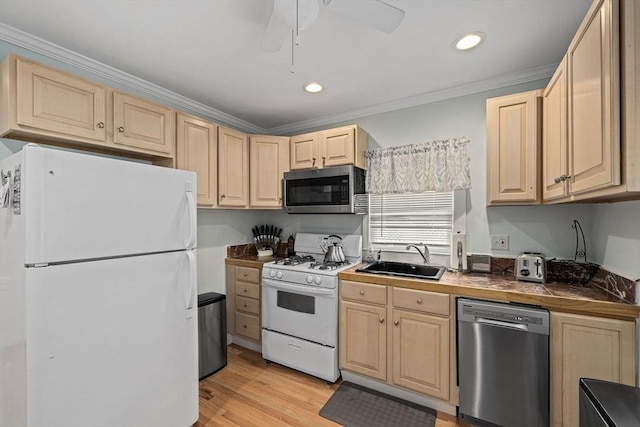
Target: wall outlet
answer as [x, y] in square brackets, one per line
[500, 242]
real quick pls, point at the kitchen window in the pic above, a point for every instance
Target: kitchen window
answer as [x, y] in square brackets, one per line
[397, 220]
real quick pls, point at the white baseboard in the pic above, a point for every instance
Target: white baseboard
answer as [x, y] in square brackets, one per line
[429, 402]
[234, 339]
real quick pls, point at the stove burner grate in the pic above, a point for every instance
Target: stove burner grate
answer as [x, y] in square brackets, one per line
[296, 260]
[328, 265]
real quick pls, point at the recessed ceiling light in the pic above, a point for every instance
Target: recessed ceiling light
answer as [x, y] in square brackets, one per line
[313, 87]
[469, 41]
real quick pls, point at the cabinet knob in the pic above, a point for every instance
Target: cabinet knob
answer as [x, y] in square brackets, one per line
[222, 196]
[561, 178]
[245, 305]
[244, 326]
[313, 163]
[245, 274]
[121, 129]
[361, 292]
[396, 322]
[419, 301]
[381, 320]
[323, 160]
[101, 125]
[245, 290]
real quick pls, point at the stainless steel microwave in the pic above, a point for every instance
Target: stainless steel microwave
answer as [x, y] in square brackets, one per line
[325, 191]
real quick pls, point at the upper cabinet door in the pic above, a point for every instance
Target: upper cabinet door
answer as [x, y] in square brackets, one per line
[269, 160]
[58, 102]
[337, 147]
[304, 151]
[233, 168]
[197, 151]
[554, 136]
[594, 100]
[141, 124]
[513, 147]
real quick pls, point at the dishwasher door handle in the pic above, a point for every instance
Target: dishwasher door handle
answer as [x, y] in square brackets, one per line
[490, 322]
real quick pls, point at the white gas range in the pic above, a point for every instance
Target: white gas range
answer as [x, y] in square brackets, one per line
[300, 305]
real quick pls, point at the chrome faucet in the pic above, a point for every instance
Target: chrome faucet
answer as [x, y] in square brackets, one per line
[425, 255]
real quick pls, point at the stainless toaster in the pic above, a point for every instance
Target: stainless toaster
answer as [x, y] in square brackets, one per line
[531, 267]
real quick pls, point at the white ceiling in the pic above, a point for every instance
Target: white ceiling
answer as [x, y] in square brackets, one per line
[209, 52]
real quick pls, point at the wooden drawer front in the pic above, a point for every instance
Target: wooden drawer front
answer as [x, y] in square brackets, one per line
[247, 274]
[424, 301]
[374, 294]
[249, 290]
[248, 325]
[249, 305]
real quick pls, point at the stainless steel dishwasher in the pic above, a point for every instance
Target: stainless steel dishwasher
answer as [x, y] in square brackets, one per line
[503, 364]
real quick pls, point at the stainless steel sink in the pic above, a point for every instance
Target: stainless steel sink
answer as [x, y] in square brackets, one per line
[404, 269]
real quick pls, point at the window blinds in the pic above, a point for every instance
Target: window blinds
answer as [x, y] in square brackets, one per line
[396, 220]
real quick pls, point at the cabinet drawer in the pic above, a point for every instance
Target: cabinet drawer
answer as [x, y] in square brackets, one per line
[248, 325]
[247, 274]
[424, 301]
[374, 294]
[249, 290]
[249, 305]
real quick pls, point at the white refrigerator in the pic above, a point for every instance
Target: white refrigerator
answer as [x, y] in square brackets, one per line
[98, 298]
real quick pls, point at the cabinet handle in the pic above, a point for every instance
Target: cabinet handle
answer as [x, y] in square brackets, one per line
[245, 291]
[381, 320]
[101, 125]
[396, 322]
[361, 292]
[222, 196]
[323, 160]
[245, 274]
[245, 305]
[419, 301]
[561, 178]
[121, 129]
[314, 161]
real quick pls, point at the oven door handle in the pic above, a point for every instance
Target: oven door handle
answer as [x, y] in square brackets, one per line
[300, 289]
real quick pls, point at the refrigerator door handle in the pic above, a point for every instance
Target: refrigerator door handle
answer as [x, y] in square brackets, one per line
[192, 219]
[190, 295]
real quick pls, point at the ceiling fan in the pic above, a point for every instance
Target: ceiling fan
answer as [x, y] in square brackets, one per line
[297, 15]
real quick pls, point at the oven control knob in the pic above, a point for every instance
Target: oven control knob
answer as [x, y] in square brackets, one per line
[309, 279]
[279, 274]
[272, 273]
[317, 280]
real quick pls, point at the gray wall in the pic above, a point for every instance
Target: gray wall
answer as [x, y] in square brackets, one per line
[612, 231]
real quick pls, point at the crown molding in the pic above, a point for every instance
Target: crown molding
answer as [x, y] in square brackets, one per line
[497, 82]
[36, 44]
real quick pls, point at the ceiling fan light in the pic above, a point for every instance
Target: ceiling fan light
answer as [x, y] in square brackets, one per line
[313, 87]
[469, 41]
[285, 10]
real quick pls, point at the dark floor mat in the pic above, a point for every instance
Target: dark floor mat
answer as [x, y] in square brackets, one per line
[355, 406]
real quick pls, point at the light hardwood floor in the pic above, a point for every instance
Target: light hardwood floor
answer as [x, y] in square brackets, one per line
[251, 392]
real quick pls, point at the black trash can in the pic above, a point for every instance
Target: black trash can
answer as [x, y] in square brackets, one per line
[212, 333]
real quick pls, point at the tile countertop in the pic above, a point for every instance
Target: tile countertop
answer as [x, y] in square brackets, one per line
[554, 296]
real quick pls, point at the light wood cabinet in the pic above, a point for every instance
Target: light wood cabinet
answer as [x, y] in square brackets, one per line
[363, 339]
[243, 302]
[554, 137]
[332, 147]
[396, 335]
[591, 347]
[594, 100]
[513, 149]
[233, 168]
[197, 151]
[269, 160]
[59, 102]
[42, 104]
[141, 124]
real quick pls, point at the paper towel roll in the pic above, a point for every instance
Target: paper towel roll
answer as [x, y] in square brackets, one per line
[458, 239]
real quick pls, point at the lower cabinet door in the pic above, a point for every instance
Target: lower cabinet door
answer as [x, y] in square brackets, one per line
[421, 353]
[363, 339]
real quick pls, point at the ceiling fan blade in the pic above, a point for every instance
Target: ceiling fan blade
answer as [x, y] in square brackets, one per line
[375, 13]
[275, 35]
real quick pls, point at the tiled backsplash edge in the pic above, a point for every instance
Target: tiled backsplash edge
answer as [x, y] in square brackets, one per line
[575, 273]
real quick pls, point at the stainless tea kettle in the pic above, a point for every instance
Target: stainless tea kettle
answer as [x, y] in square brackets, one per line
[334, 252]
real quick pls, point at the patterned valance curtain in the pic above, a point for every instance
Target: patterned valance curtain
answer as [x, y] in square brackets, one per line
[416, 168]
